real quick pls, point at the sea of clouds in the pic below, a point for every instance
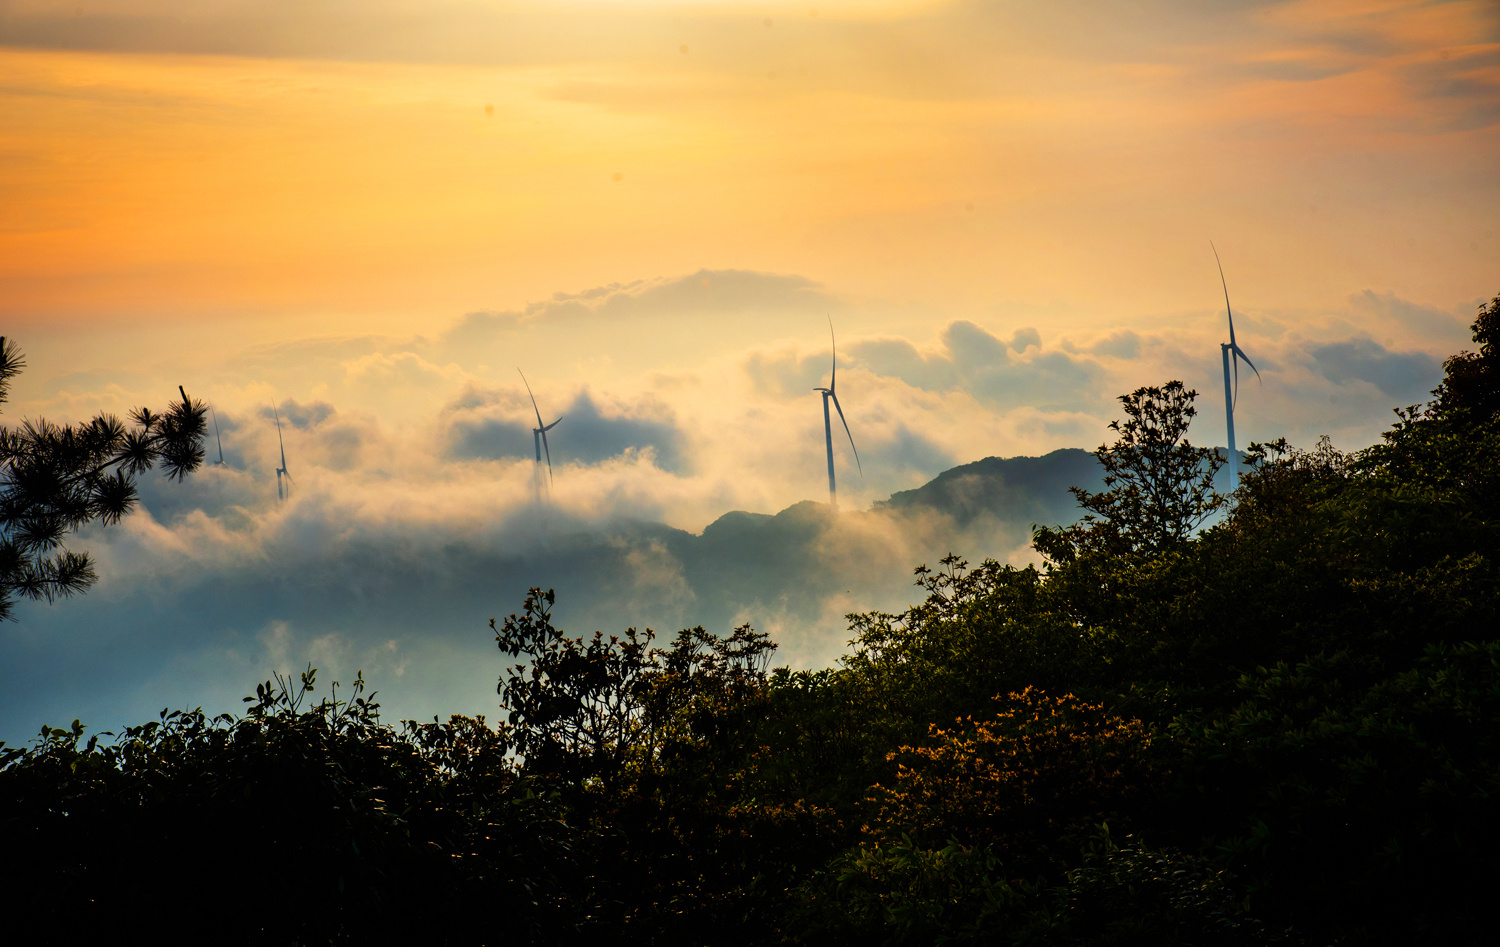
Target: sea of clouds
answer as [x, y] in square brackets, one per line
[415, 511]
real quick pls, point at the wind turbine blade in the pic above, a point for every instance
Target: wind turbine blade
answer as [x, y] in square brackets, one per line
[833, 378]
[533, 397]
[219, 440]
[279, 441]
[1227, 311]
[846, 431]
[1240, 353]
[548, 452]
[552, 425]
[1235, 355]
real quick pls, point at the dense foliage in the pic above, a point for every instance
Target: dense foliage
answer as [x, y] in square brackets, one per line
[1279, 727]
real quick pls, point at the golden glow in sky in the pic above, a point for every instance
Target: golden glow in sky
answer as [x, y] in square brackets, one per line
[178, 159]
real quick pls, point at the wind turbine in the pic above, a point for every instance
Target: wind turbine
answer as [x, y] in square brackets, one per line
[280, 471]
[830, 393]
[217, 439]
[1231, 353]
[539, 440]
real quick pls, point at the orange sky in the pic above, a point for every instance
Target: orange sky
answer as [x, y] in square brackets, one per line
[962, 155]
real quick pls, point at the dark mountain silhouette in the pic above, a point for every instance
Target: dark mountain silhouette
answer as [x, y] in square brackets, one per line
[1033, 489]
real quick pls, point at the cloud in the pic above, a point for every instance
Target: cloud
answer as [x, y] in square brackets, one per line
[592, 435]
[1388, 312]
[903, 450]
[899, 358]
[704, 295]
[1466, 86]
[970, 358]
[399, 370]
[972, 348]
[490, 438]
[951, 50]
[492, 425]
[716, 292]
[315, 433]
[1049, 380]
[300, 416]
[1404, 376]
[1123, 344]
[1023, 339]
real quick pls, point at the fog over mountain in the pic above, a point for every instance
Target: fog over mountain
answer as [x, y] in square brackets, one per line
[410, 608]
[412, 518]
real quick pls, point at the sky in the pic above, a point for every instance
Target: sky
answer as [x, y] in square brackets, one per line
[370, 215]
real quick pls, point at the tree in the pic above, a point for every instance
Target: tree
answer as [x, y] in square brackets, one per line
[604, 710]
[1472, 381]
[1161, 486]
[54, 479]
[302, 823]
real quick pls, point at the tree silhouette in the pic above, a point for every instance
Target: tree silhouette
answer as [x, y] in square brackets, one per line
[1160, 486]
[56, 478]
[1472, 381]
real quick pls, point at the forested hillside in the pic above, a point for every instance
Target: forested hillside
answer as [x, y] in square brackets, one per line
[1279, 727]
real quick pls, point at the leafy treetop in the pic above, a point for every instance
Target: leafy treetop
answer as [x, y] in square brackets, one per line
[1160, 486]
[1472, 380]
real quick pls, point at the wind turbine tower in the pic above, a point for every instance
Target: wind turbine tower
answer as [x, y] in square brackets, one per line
[1231, 353]
[281, 471]
[830, 393]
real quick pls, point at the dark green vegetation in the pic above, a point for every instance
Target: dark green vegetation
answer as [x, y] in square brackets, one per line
[1281, 728]
[56, 478]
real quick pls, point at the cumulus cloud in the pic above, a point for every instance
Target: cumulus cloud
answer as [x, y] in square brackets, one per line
[1005, 375]
[1123, 344]
[1025, 338]
[789, 374]
[968, 357]
[1406, 376]
[499, 424]
[907, 451]
[300, 416]
[592, 435]
[1387, 312]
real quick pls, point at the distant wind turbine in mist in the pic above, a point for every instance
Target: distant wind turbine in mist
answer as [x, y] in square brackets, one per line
[1231, 353]
[217, 439]
[830, 393]
[281, 471]
[539, 442]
